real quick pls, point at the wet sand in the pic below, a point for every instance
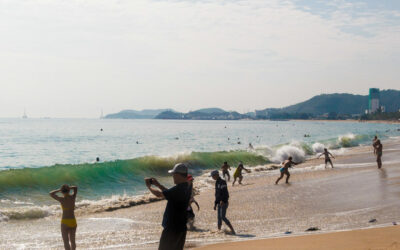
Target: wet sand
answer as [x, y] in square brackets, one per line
[387, 238]
[344, 198]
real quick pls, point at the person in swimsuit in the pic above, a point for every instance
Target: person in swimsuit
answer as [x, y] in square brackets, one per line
[190, 212]
[327, 158]
[238, 173]
[68, 221]
[225, 171]
[285, 169]
[378, 151]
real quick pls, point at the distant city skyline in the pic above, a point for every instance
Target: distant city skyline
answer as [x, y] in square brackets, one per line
[77, 58]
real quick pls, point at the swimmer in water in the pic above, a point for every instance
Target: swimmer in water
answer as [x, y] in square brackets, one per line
[327, 158]
[285, 169]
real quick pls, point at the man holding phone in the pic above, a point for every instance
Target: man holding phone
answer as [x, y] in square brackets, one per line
[175, 215]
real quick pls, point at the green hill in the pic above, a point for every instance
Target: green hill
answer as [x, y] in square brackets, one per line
[134, 114]
[341, 104]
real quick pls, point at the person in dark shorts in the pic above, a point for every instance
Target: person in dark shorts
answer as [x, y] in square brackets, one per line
[190, 212]
[221, 200]
[175, 215]
[225, 171]
[327, 158]
[378, 151]
[285, 169]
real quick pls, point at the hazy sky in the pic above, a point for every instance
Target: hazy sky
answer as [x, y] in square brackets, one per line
[70, 58]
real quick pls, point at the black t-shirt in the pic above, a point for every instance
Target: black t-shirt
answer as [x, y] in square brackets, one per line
[175, 214]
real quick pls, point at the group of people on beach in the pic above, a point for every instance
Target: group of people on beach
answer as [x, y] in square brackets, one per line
[179, 214]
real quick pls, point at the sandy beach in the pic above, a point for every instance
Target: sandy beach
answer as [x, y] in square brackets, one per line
[346, 198]
[386, 238]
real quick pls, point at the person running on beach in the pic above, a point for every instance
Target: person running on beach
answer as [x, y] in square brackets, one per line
[68, 221]
[285, 169]
[221, 200]
[225, 171]
[378, 151]
[327, 158]
[190, 213]
[173, 236]
[238, 173]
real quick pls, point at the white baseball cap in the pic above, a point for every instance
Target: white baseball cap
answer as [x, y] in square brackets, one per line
[179, 168]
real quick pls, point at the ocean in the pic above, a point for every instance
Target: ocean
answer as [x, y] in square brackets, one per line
[39, 155]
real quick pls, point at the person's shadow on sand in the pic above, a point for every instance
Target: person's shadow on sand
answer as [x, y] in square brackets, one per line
[245, 235]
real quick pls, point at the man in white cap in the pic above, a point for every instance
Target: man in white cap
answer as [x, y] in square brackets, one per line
[175, 215]
[221, 200]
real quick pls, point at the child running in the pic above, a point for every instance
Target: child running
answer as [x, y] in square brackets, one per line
[285, 169]
[238, 173]
[225, 171]
[327, 158]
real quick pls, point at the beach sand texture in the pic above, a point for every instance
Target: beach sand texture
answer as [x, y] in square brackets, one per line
[344, 198]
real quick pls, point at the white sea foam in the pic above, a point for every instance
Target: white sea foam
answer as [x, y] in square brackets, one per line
[284, 152]
[318, 147]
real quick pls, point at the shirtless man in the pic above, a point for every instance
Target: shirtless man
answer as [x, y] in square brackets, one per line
[225, 170]
[378, 147]
[327, 158]
[285, 169]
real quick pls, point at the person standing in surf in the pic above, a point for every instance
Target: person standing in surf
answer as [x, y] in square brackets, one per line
[285, 169]
[225, 171]
[221, 200]
[238, 173]
[190, 212]
[378, 151]
[68, 221]
[327, 158]
[374, 143]
[173, 236]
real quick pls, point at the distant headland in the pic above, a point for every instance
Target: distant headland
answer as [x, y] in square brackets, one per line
[326, 106]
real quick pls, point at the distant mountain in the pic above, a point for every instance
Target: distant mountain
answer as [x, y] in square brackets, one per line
[203, 114]
[134, 114]
[340, 104]
[211, 111]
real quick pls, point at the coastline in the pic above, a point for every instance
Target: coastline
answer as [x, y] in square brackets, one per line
[343, 198]
[372, 238]
[351, 121]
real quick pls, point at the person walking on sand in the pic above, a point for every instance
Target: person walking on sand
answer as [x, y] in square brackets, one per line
[378, 151]
[68, 220]
[190, 212]
[221, 200]
[175, 215]
[238, 173]
[285, 169]
[225, 171]
[327, 158]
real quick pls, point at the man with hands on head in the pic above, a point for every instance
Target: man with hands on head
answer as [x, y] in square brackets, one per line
[175, 215]
[221, 200]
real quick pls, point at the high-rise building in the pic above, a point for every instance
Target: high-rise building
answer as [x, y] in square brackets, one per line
[373, 100]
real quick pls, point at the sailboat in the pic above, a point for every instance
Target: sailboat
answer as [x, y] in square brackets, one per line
[24, 116]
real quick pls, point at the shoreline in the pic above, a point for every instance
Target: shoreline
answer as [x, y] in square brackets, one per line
[350, 121]
[368, 238]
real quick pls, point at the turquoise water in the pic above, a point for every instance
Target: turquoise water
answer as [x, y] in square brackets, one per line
[38, 155]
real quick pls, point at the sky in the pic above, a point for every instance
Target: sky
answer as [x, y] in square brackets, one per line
[74, 58]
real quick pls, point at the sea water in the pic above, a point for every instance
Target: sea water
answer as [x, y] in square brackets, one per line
[39, 155]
